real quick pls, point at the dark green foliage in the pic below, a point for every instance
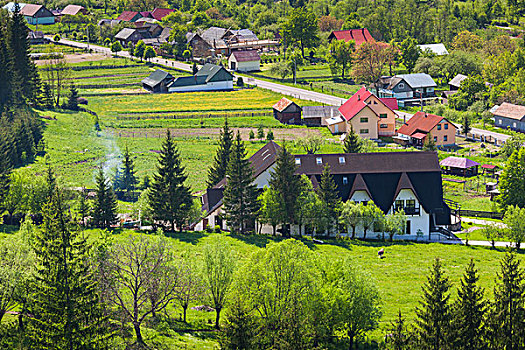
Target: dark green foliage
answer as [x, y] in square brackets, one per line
[429, 145]
[240, 328]
[352, 143]
[105, 206]
[399, 336]
[287, 185]
[83, 206]
[328, 195]
[240, 194]
[64, 304]
[222, 156]
[507, 313]
[269, 135]
[409, 53]
[72, 102]
[468, 313]
[169, 198]
[260, 133]
[194, 68]
[6, 73]
[512, 181]
[434, 314]
[465, 125]
[127, 179]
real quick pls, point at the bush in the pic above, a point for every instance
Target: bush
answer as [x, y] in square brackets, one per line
[240, 81]
[56, 37]
[217, 229]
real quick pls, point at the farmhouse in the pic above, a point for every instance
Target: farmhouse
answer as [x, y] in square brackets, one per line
[367, 114]
[129, 16]
[34, 14]
[158, 81]
[359, 36]
[423, 125]
[393, 180]
[73, 10]
[245, 61]
[408, 89]
[144, 31]
[287, 111]
[509, 116]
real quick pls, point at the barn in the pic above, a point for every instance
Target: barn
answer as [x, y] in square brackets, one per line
[245, 61]
[287, 111]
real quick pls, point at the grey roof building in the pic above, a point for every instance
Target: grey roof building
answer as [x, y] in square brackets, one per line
[158, 81]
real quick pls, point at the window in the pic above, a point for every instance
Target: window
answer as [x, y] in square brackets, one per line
[364, 120]
[435, 139]
[439, 126]
[297, 161]
[446, 126]
[399, 204]
[499, 121]
[411, 203]
[401, 85]
[375, 102]
[345, 180]
[363, 131]
[445, 138]
[383, 126]
[514, 124]
[342, 160]
[319, 160]
[383, 116]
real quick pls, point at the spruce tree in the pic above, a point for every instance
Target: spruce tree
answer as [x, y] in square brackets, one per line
[217, 171]
[72, 102]
[47, 97]
[64, 304]
[399, 336]
[170, 199]
[434, 314]
[287, 185]
[352, 143]
[327, 192]
[105, 205]
[240, 194]
[6, 75]
[128, 180]
[83, 206]
[468, 312]
[507, 315]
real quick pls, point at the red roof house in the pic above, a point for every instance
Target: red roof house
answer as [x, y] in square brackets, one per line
[160, 13]
[360, 36]
[422, 124]
[129, 16]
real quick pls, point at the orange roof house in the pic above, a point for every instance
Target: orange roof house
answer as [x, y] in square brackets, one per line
[422, 124]
[360, 36]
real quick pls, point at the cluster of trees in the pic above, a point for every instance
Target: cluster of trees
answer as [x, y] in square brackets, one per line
[470, 321]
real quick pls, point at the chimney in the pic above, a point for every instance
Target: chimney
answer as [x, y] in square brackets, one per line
[425, 114]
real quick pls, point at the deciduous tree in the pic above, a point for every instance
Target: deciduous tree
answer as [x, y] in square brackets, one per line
[301, 29]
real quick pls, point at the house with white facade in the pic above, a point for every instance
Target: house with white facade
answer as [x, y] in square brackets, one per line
[392, 180]
[408, 89]
[245, 61]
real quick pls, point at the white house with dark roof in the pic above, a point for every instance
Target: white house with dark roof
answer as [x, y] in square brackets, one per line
[244, 61]
[408, 89]
[509, 116]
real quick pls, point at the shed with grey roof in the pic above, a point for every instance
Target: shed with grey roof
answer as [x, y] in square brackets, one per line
[157, 81]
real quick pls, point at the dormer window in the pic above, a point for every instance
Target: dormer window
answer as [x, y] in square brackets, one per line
[319, 160]
[342, 160]
[297, 161]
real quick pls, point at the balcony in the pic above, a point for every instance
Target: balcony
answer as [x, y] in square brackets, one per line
[408, 210]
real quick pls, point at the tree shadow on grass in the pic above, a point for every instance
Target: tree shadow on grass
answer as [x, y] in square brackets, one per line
[186, 237]
[260, 241]
[9, 229]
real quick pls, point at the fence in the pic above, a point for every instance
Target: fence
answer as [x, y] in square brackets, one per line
[104, 86]
[481, 214]
[266, 113]
[80, 68]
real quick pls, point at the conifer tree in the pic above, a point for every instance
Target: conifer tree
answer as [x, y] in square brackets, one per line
[434, 314]
[240, 194]
[64, 304]
[352, 143]
[169, 198]
[128, 180]
[47, 97]
[6, 71]
[217, 171]
[105, 206]
[72, 102]
[327, 192]
[260, 133]
[468, 312]
[83, 206]
[399, 336]
[507, 314]
[287, 185]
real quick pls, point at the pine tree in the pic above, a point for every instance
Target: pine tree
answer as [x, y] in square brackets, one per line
[240, 194]
[399, 336]
[6, 93]
[72, 102]
[260, 133]
[327, 192]
[429, 145]
[507, 314]
[217, 171]
[4, 173]
[240, 329]
[83, 206]
[47, 96]
[468, 312]
[352, 143]
[269, 135]
[105, 206]
[64, 304]
[434, 315]
[169, 198]
[287, 185]
[128, 180]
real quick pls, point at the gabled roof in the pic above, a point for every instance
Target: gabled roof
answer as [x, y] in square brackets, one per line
[246, 56]
[145, 14]
[322, 112]
[458, 162]
[127, 16]
[436, 49]
[282, 104]
[214, 35]
[160, 13]
[72, 10]
[390, 102]
[157, 77]
[125, 33]
[245, 34]
[509, 110]
[358, 35]
[30, 9]
[418, 80]
[210, 70]
[456, 81]
[359, 185]
[357, 103]
[421, 122]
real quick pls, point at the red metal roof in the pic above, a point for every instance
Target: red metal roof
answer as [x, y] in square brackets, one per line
[358, 35]
[282, 104]
[420, 122]
[160, 13]
[489, 166]
[127, 16]
[390, 102]
[145, 14]
[354, 104]
[457, 162]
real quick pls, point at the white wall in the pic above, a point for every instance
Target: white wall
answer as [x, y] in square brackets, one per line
[421, 221]
[360, 196]
[249, 66]
[220, 85]
[407, 94]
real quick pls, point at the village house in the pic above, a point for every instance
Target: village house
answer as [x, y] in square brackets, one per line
[129, 16]
[287, 112]
[422, 125]
[209, 78]
[318, 115]
[367, 114]
[359, 36]
[392, 180]
[244, 61]
[34, 14]
[74, 10]
[509, 116]
[144, 31]
[160, 13]
[455, 83]
[408, 89]
[434, 49]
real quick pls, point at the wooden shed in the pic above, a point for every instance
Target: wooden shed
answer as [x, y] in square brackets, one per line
[287, 111]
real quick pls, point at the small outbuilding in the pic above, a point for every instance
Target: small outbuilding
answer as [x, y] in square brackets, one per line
[455, 83]
[287, 111]
[316, 115]
[489, 170]
[436, 49]
[158, 81]
[459, 166]
[245, 61]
